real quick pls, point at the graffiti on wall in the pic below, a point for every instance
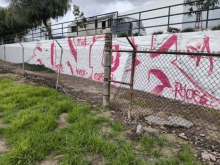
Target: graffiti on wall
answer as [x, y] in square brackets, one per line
[159, 80]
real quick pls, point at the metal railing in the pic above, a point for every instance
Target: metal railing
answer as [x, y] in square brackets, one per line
[63, 30]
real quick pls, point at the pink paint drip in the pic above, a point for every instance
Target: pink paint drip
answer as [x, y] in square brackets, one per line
[71, 68]
[72, 50]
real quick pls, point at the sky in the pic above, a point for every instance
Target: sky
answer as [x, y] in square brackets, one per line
[96, 7]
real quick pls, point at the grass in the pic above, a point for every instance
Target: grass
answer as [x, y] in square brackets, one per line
[33, 67]
[31, 115]
[140, 102]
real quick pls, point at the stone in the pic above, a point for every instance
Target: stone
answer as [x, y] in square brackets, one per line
[207, 156]
[202, 135]
[182, 135]
[139, 129]
[155, 120]
[178, 122]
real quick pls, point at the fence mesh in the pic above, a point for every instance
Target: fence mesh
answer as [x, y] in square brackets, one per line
[176, 92]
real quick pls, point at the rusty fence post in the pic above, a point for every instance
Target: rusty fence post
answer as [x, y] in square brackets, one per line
[107, 69]
[131, 78]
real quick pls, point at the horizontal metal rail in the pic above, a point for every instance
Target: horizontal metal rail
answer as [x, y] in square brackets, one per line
[118, 82]
[171, 52]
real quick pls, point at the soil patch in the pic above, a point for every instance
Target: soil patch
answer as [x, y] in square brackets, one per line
[62, 121]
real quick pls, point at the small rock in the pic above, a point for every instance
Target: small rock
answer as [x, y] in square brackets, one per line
[182, 135]
[202, 135]
[155, 120]
[207, 156]
[139, 129]
[179, 122]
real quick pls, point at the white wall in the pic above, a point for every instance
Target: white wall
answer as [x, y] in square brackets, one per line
[157, 13]
[213, 14]
[179, 77]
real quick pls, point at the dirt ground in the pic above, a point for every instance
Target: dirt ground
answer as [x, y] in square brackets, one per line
[84, 90]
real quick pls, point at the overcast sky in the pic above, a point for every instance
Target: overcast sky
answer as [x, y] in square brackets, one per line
[95, 7]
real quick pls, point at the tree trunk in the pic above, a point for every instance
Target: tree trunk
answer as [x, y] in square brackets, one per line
[86, 32]
[48, 29]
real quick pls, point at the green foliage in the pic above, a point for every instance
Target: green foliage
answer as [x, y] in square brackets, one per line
[201, 5]
[188, 30]
[140, 102]
[216, 27]
[159, 32]
[185, 157]
[10, 24]
[81, 21]
[135, 34]
[40, 11]
[123, 35]
[31, 115]
[34, 67]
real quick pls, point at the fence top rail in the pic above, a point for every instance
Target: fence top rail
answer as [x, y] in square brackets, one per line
[215, 54]
[143, 11]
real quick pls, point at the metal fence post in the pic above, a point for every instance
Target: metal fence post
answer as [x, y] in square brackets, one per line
[58, 76]
[4, 55]
[62, 30]
[117, 25]
[22, 58]
[168, 25]
[107, 69]
[207, 18]
[139, 24]
[132, 78]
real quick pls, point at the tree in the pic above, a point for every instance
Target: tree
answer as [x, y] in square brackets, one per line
[37, 12]
[201, 5]
[81, 21]
[9, 25]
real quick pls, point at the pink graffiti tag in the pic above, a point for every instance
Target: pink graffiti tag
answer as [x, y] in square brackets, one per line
[115, 60]
[137, 62]
[73, 50]
[166, 46]
[82, 42]
[94, 39]
[37, 48]
[194, 82]
[201, 48]
[71, 68]
[158, 90]
[40, 61]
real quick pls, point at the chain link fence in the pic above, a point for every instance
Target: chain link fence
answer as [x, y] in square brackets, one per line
[178, 91]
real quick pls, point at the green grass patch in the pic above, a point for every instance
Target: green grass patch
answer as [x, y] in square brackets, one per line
[31, 115]
[140, 102]
[188, 30]
[33, 67]
[159, 32]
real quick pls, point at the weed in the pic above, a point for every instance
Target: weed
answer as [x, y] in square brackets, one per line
[216, 27]
[187, 30]
[159, 32]
[123, 35]
[185, 157]
[33, 67]
[140, 102]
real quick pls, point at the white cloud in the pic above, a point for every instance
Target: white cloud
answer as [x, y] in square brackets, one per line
[3, 3]
[117, 6]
